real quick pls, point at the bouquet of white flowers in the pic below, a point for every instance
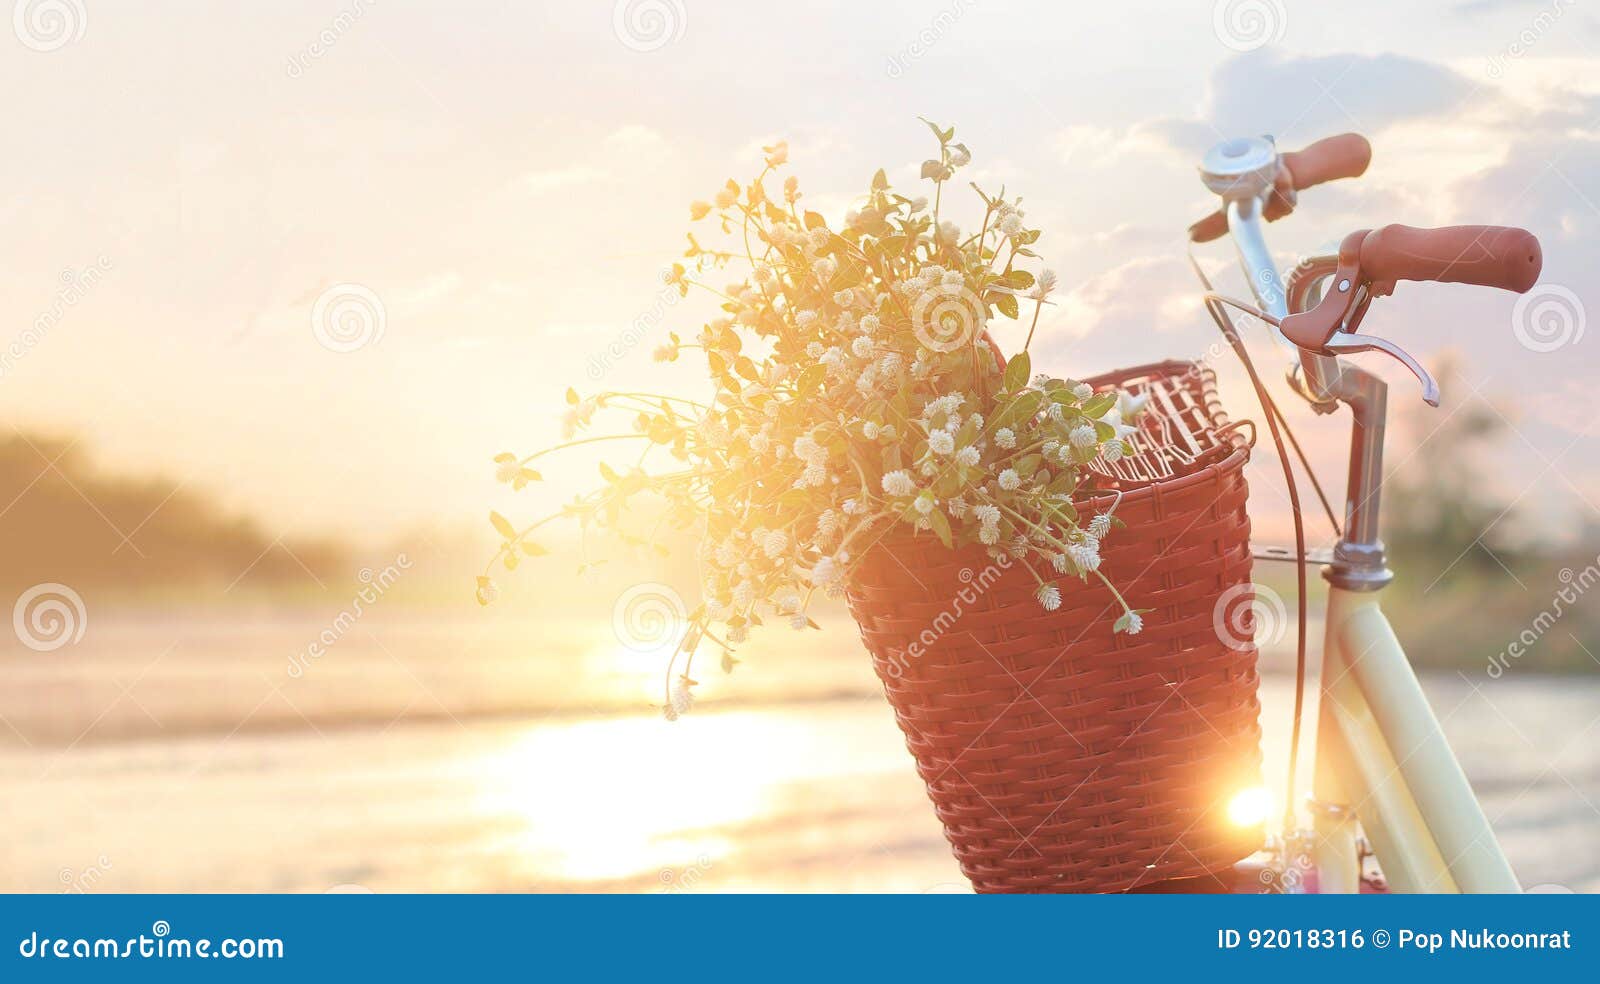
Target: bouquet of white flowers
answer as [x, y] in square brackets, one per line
[858, 390]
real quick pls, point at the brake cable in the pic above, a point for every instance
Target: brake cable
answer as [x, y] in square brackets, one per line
[1216, 306]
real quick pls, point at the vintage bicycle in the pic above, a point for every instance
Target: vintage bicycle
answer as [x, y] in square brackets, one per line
[1385, 783]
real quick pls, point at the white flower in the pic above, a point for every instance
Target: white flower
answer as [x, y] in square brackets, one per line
[989, 535]
[852, 507]
[949, 232]
[1011, 225]
[814, 350]
[1131, 623]
[797, 621]
[987, 514]
[924, 502]
[507, 470]
[918, 204]
[827, 524]
[1044, 285]
[1059, 562]
[774, 543]
[680, 699]
[1131, 405]
[488, 592]
[967, 456]
[738, 633]
[1005, 437]
[1049, 597]
[1084, 557]
[960, 156]
[898, 483]
[1082, 436]
[958, 506]
[869, 324]
[1009, 480]
[1100, 526]
[941, 442]
[1082, 392]
[1112, 453]
[862, 348]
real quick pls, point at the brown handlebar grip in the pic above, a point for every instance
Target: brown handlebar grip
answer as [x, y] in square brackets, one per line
[1490, 256]
[1344, 156]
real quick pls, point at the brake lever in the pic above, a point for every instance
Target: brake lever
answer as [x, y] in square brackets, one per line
[1331, 326]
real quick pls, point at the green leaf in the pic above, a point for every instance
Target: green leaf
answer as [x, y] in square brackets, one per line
[1018, 371]
[572, 397]
[1096, 406]
[941, 527]
[880, 181]
[533, 549]
[1006, 304]
[502, 525]
[504, 456]
[814, 220]
[608, 473]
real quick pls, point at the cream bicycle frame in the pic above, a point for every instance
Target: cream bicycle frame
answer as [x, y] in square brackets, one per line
[1382, 764]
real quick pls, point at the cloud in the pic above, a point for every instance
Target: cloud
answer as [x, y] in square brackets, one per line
[1303, 98]
[542, 182]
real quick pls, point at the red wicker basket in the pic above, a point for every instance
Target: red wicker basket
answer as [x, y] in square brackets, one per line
[1062, 757]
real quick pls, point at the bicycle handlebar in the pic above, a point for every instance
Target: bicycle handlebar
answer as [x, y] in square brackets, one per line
[1329, 159]
[1489, 256]
[1344, 156]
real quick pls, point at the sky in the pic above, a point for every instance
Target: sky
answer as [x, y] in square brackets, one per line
[323, 260]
